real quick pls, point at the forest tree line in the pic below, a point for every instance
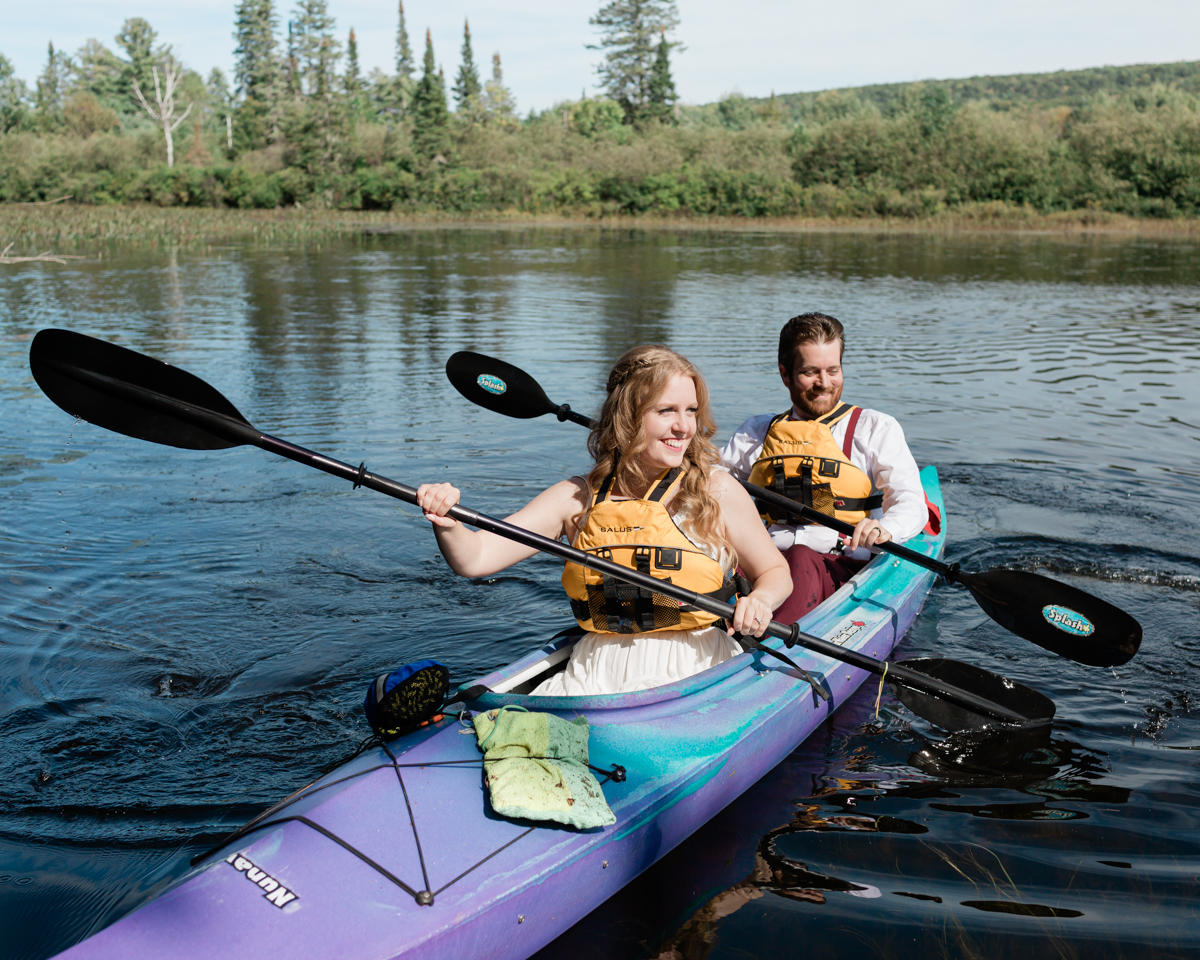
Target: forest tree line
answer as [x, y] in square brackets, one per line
[299, 124]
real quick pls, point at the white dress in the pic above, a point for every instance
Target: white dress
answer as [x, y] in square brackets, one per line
[623, 662]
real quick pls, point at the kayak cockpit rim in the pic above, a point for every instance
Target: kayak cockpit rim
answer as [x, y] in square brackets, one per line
[512, 684]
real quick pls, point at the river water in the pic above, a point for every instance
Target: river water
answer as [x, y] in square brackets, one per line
[185, 637]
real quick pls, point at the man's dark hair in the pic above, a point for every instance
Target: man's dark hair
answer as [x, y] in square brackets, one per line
[808, 328]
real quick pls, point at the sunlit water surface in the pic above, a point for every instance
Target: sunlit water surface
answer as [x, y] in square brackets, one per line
[185, 636]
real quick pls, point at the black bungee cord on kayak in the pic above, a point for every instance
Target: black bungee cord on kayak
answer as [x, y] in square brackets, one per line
[398, 703]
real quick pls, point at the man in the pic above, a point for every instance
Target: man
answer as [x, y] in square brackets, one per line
[845, 461]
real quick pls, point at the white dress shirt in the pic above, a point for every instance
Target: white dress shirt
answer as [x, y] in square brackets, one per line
[878, 450]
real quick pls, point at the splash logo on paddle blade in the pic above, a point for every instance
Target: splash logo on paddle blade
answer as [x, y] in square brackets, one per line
[491, 384]
[1067, 620]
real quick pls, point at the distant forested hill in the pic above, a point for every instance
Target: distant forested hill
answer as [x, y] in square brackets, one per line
[1062, 88]
[1082, 143]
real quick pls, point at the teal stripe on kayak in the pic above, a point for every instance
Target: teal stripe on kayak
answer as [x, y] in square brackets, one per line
[652, 813]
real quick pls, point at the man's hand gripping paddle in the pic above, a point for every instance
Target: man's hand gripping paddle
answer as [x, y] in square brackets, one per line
[1054, 615]
[145, 398]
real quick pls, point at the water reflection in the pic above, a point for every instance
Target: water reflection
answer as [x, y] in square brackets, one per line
[855, 851]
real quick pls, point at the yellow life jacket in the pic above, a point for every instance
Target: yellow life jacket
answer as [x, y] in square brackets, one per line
[801, 460]
[641, 535]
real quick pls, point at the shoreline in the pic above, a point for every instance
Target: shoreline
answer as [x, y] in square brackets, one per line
[33, 228]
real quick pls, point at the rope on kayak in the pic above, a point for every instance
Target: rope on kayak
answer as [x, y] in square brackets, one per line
[358, 853]
[291, 798]
[485, 859]
[423, 897]
[879, 695]
[818, 691]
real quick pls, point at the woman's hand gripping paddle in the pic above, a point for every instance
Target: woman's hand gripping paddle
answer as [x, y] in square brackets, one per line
[141, 397]
[1054, 615]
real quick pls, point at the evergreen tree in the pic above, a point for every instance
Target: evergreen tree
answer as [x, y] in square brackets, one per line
[393, 96]
[99, 71]
[291, 67]
[661, 96]
[498, 102]
[429, 114]
[382, 96]
[316, 122]
[467, 86]
[137, 40]
[317, 52]
[352, 80]
[52, 90]
[220, 106]
[14, 97]
[405, 67]
[628, 29]
[770, 111]
[256, 73]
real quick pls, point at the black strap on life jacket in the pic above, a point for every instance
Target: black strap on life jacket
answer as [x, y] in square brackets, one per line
[654, 496]
[614, 606]
[818, 496]
[627, 608]
[833, 416]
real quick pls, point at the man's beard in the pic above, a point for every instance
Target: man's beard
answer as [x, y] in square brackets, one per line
[811, 409]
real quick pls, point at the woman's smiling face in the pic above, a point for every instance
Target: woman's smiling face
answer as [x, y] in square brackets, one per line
[670, 424]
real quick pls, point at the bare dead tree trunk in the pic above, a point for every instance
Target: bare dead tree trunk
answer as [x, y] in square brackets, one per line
[165, 103]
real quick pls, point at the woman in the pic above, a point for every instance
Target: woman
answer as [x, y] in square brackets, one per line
[657, 501]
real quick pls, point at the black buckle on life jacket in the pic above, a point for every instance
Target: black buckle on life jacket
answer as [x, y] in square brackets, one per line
[629, 608]
[798, 488]
[668, 558]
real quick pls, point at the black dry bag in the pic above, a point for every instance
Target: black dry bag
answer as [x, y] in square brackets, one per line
[399, 702]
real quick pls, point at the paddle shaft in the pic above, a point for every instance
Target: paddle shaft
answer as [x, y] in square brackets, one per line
[841, 526]
[240, 432]
[564, 412]
[790, 633]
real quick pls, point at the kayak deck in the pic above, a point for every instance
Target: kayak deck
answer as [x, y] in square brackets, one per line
[340, 870]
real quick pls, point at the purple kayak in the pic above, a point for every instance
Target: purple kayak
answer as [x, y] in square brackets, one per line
[346, 868]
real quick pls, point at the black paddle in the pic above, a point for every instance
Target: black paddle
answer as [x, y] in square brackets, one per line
[1054, 615]
[141, 397]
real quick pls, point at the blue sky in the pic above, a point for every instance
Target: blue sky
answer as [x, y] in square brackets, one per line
[752, 48]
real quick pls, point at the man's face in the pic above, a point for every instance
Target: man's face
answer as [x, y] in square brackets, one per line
[815, 380]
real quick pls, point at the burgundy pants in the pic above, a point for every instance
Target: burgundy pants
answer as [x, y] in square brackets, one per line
[815, 576]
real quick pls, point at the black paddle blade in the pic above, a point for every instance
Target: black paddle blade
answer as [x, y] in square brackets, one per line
[1056, 616]
[129, 392]
[1035, 707]
[498, 386]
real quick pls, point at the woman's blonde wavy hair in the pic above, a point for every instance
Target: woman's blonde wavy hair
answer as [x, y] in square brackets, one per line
[618, 435]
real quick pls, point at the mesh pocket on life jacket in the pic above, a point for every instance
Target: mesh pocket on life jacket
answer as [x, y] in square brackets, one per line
[624, 608]
[822, 498]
